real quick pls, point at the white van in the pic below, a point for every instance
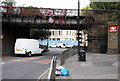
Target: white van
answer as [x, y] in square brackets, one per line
[64, 45]
[53, 45]
[27, 47]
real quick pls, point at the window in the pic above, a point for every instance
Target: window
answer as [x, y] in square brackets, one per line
[53, 38]
[66, 38]
[67, 32]
[58, 38]
[59, 33]
[73, 33]
[53, 33]
[70, 33]
[63, 44]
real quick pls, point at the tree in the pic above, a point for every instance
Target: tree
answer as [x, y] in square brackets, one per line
[39, 34]
[88, 13]
[5, 3]
[105, 5]
[108, 6]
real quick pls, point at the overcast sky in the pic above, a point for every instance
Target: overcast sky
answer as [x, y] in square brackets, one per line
[62, 4]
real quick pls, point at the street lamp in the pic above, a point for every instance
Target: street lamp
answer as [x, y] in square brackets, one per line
[78, 29]
[81, 53]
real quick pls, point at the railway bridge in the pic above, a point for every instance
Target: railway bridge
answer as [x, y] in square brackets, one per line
[17, 22]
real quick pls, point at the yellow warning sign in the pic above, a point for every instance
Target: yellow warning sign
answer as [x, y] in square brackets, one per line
[1, 36]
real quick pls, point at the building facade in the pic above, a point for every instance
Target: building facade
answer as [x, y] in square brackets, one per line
[63, 35]
[68, 35]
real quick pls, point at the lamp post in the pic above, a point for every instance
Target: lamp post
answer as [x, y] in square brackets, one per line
[78, 29]
[81, 53]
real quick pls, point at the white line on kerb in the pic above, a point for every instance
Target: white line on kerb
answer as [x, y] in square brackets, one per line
[16, 60]
[43, 74]
[2, 63]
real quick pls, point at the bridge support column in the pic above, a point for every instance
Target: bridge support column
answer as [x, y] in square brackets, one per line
[113, 39]
[10, 34]
[8, 40]
[0, 37]
[96, 37]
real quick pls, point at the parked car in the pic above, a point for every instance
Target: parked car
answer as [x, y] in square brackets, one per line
[64, 45]
[27, 47]
[68, 45]
[61, 45]
[53, 45]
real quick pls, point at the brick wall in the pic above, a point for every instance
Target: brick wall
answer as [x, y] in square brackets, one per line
[113, 39]
[98, 32]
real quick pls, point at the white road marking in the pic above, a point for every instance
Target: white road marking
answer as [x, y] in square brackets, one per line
[2, 63]
[43, 74]
[16, 60]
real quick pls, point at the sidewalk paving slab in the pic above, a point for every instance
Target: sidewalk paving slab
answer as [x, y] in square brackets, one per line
[96, 66]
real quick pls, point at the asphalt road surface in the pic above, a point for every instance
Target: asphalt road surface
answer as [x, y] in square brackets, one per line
[28, 67]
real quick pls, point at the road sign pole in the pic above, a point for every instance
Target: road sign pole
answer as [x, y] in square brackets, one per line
[78, 29]
[81, 52]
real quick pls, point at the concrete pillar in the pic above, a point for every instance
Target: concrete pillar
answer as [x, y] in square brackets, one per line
[113, 39]
[7, 41]
[0, 36]
[10, 34]
[119, 40]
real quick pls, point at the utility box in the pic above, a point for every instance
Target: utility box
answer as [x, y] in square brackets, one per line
[82, 55]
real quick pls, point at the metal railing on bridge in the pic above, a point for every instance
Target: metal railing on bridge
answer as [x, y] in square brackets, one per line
[32, 14]
[46, 18]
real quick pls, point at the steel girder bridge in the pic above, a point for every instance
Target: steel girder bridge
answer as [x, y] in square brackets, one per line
[44, 18]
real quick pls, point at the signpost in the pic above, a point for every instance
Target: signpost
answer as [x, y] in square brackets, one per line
[1, 36]
[113, 28]
[81, 52]
[51, 20]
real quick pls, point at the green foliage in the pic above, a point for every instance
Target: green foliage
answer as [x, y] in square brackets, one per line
[85, 31]
[8, 3]
[88, 13]
[108, 6]
[39, 33]
[105, 5]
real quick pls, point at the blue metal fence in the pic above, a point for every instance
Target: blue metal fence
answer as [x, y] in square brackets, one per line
[44, 42]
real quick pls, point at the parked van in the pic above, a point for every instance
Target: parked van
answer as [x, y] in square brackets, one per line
[27, 47]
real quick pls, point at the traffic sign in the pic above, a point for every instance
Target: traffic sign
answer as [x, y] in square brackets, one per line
[113, 28]
[1, 36]
[51, 20]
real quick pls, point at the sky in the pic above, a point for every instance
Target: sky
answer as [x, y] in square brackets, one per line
[61, 4]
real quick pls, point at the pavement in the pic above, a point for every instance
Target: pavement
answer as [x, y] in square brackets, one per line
[96, 66]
